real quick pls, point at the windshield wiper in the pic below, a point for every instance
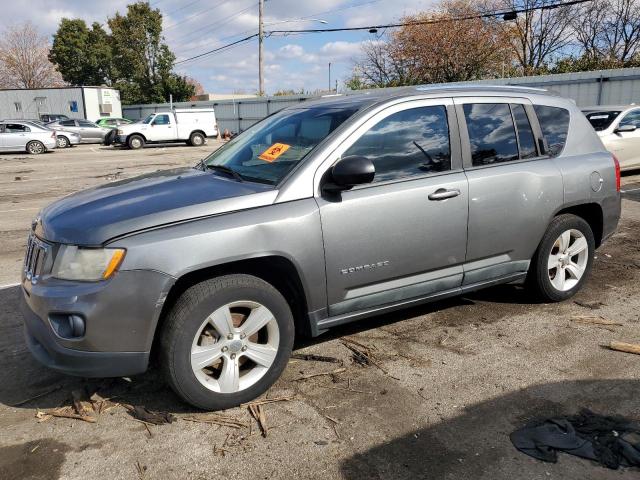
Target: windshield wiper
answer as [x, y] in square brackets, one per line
[225, 169]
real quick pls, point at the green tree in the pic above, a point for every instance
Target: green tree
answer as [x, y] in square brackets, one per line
[82, 54]
[142, 62]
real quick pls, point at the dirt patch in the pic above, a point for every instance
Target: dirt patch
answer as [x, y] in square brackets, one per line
[35, 460]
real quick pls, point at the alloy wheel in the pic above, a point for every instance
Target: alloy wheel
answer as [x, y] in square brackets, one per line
[235, 346]
[568, 260]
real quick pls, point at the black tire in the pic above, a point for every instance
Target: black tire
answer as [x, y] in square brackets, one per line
[196, 139]
[62, 141]
[538, 278]
[35, 147]
[134, 142]
[185, 319]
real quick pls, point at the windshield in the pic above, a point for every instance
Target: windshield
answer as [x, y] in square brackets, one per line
[149, 118]
[601, 120]
[269, 150]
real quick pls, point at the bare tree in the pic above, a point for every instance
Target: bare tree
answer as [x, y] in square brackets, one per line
[620, 30]
[24, 59]
[587, 26]
[539, 36]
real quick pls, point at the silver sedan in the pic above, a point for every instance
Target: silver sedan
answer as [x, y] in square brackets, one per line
[89, 132]
[18, 136]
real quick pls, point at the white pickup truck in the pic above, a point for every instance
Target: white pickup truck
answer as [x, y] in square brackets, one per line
[192, 126]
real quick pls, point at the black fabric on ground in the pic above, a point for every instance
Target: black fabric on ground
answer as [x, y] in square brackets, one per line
[156, 418]
[610, 441]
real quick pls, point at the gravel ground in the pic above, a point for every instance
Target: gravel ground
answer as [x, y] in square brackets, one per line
[453, 378]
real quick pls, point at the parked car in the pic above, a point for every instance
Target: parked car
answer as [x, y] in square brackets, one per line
[20, 136]
[325, 213]
[89, 132]
[64, 138]
[112, 122]
[619, 129]
[52, 117]
[192, 126]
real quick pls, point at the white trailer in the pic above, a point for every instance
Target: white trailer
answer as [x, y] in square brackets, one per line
[192, 126]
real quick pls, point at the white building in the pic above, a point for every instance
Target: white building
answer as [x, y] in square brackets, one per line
[90, 103]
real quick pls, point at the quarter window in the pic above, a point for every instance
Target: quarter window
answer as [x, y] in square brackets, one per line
[554, 122]
[491, 133]
[407, 143]
[526, 138]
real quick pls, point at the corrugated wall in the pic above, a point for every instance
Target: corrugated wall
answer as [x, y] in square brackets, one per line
[603, 87]
[34, 102]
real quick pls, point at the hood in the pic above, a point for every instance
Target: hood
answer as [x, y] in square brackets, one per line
[91, 217]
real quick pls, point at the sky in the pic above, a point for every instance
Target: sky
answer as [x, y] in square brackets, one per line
[192, 27]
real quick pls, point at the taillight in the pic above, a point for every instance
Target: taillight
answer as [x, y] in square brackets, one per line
[617, 166]
[53, 135]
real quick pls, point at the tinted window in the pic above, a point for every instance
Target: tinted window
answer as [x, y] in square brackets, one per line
[631, 118]
[161, 120]
[16, 128]
[68, 123]
[554, 122]
[110, 122]
[601, 120]
[491, 133]
[406, 143]
[85, 124]
[268, 150]
[525, 134]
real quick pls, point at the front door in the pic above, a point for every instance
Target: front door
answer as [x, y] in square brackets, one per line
[626, 145]
[161, 129]
[403, 236]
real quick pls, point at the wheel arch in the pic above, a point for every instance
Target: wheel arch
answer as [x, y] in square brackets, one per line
[592, 214]
[198, 131]
[276, 270]
[138, 134]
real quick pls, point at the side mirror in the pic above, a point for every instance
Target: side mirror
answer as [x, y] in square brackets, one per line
[625, 129]
[349, 172]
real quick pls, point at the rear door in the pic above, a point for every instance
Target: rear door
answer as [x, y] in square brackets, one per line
[90, 131]
[70, 126]
[403, 236]
[514, 185]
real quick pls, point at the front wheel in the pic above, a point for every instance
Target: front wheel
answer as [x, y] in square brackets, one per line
[563, 259]
[134, 142]
[226, 341]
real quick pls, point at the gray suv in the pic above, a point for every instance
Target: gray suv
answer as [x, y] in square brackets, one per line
[322, 214]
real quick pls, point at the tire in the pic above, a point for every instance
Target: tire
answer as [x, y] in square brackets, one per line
[198, 322]
[62, 141]
[135, 142]
[196, 139]
[35, 147]
[563, 260]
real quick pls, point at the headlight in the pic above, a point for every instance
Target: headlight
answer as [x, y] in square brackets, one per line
[89, 264]
[120, 132]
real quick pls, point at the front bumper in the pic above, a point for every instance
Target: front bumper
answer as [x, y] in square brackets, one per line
[120, 317]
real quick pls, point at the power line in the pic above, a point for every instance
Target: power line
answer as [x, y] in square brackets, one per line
[194, 15]
[433, 21]
[218, 22]
[391, 25]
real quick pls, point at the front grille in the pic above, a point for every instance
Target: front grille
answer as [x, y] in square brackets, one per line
[37, 258]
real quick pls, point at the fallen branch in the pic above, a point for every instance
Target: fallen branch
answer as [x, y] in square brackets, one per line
[258, 413]
[587, 320]
[63, 413]
[215, 419]
[266, 401]
[312, 357]
[312, 375]
[624, 347]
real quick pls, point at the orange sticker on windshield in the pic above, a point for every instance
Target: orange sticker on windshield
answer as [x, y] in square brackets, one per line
[273, 152]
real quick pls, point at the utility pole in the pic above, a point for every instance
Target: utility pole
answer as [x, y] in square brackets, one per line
[260, 48]
[329, 77]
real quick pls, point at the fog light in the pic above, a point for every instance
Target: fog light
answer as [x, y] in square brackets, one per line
[67, 325]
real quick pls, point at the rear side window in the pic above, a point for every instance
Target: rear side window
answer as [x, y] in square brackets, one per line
[491, 133]
[408, 143]
[554, 122]
[526, 139]
[16, 128]
[68, 123]
[601, 120]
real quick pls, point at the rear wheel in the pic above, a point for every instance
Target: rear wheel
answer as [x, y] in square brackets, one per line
[226, 341]
[563, 259]
[36, 148]
[135, 142]
[62, 141]
[196, 139]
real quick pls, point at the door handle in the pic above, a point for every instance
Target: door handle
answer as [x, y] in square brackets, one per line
[443, 194]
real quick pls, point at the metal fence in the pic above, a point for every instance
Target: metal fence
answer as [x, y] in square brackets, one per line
[602, 87]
